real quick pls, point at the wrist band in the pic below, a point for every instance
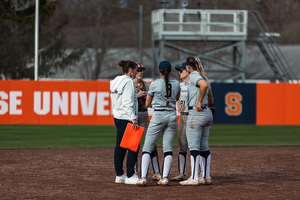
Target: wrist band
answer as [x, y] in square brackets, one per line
[211, 105]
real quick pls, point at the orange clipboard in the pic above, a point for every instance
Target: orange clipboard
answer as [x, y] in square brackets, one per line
[132, 138]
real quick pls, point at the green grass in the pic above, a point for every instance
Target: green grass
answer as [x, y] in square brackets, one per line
[252, 135]
[60, 136]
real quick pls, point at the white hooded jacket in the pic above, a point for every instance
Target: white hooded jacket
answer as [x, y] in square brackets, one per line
[124, 98]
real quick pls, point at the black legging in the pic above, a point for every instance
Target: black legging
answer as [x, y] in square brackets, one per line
[121, 152]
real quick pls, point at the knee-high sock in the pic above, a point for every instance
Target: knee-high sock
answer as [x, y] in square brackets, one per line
[154, 160]
[195, 160]
[136, 166]
[168, 157]
[182, 162]
[145, 164]
[206, 159]
[201, 167]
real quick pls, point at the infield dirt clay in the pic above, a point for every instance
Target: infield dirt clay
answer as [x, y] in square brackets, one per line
[237, 173]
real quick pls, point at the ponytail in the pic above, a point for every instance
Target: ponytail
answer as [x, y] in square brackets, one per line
[200, 70]
[198, 67]
[166, 74]
[126, 64]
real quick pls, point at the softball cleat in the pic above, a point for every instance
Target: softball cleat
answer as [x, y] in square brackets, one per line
[190, 181]
[180, 177]
[207, 181]
[163, 181]
[201, 180]
[156, 176]
[142, 182]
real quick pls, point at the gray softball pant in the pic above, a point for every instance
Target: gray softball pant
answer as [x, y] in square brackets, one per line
[165, 122]
[181, 133]
[143, 120]
[197, 130]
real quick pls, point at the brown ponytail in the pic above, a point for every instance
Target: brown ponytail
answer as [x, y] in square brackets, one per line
[166, 74]
[126, 64]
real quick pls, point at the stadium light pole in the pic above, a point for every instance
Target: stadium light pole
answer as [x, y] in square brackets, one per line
[141, 34]
[36, 45]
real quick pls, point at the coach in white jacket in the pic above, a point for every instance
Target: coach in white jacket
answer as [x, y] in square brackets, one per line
[125, 110]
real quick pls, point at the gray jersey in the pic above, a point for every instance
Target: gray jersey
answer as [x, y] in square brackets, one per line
[158, 91]
[194, 91]
[183, 100]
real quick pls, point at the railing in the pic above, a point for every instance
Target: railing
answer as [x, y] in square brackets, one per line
[283, 64]
[199, 22]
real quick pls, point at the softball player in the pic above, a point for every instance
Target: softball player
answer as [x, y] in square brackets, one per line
[199, 119]
[181, 131]
[162, 96]
[141, 88]
[204, 150]
[125, 109]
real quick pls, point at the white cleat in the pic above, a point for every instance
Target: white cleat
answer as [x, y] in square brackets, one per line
[180, 177]
[156, 176]
[163, 182]
[207, 181]
[142, 182]
[201, 180]
[190, 181]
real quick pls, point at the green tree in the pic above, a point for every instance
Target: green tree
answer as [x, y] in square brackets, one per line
[17, 40]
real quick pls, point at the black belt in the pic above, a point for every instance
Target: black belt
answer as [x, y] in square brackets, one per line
[163, 110]
[184, 113]
[143, 110]
[191, 107]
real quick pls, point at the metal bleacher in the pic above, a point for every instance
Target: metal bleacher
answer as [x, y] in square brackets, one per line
[230, 26]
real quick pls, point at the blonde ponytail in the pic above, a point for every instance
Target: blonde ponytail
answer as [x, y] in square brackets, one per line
[193, 60]
[199, 69]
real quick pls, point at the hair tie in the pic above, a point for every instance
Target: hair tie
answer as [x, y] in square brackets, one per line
[198, 59]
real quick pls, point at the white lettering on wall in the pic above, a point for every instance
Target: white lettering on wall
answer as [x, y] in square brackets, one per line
[101, 102]
[87, 106]
[14, 102]
[37, 103]
[74, 103]
[3, 104]
[60, 103]
[42, 104]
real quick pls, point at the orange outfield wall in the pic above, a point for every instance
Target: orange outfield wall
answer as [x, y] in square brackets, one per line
[88, 102]
[55, 102]
[277, 104]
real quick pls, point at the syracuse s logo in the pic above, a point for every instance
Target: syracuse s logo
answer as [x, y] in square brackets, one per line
[233, 103]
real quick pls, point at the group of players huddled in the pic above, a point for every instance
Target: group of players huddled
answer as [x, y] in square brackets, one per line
[193, 98]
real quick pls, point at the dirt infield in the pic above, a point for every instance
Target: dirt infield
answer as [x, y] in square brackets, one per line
[237, 173]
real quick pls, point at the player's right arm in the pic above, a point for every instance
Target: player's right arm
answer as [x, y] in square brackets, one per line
[149, 101]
